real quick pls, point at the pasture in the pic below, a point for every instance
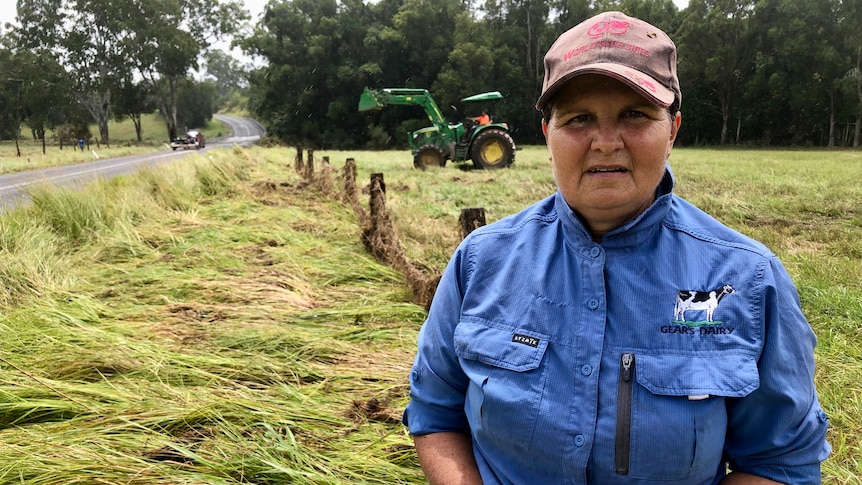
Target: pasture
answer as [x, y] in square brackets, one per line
[219, 321]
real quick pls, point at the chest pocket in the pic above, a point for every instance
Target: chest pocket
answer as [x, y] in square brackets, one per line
[678, 415]
[507, 381]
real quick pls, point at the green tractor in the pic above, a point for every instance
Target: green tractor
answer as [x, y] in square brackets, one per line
[488, 144]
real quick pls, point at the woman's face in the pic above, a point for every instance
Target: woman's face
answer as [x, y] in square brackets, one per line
[608, 148]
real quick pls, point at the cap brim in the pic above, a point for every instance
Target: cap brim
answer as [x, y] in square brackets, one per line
[645, 85]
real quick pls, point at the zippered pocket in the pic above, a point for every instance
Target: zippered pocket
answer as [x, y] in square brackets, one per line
[622, 446]
[655, 408]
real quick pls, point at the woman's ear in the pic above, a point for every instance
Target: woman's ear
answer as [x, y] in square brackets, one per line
[674, 127]
[545, 128]
[674, 130]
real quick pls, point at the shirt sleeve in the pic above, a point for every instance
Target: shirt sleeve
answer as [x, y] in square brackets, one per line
[437, 383]
[779, 430]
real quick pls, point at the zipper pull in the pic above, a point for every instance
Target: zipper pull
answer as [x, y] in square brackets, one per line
[626, 361]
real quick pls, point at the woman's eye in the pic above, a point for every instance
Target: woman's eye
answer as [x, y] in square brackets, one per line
[579, 119]
[634, 114]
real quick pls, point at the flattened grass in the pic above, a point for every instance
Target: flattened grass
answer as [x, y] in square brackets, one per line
[209, 331]
[220, 321]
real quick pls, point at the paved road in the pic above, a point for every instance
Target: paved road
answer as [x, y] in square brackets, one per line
[14, 186]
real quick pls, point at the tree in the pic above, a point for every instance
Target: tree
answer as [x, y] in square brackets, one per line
[195, 103]
[100, 43]
[522, 34]
[46, 105]
[90, 39]
[318, 63]
[713, 46]
[133, 100]
[29, 89]
[850, 15]
[226, 71]
[170, 35]
[472, 63]
[794, 70]
[10, 98]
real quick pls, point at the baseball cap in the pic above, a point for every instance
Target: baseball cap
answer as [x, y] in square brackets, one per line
[615, 45]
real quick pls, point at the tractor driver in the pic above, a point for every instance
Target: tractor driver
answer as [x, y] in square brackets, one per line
[482, 119]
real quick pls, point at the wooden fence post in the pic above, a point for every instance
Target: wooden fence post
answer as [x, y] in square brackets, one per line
[376, 203]
[298, 165]
[351, 195]
[377, 233]
[350, 181]
[379, 178]
[471, 219]
[309, 166]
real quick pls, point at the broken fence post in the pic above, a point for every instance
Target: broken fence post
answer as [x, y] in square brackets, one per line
[471, 219]
[379, 178]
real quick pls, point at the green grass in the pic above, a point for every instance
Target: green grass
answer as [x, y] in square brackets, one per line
[220, 321]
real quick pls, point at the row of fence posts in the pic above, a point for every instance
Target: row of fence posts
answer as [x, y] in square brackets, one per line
[378, 233]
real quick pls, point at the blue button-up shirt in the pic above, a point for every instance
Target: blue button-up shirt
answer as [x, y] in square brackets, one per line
[673, 347]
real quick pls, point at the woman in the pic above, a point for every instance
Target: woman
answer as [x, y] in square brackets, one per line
[614, 333]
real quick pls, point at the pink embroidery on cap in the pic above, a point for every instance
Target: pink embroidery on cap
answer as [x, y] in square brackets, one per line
[613, 27]
[643, 82]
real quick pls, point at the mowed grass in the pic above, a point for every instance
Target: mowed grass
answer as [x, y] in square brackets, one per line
[219, 321]
[123, 141]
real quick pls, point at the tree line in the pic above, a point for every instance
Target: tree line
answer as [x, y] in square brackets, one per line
[67, 64]
[753, 72]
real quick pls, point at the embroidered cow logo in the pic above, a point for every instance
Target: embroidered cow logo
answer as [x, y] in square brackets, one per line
[699, 300]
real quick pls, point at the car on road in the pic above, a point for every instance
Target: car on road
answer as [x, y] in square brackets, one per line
[192, 139]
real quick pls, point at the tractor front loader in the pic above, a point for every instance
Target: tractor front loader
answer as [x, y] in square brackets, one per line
[488, 145]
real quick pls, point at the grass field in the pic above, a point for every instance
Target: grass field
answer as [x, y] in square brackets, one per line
[220, 321]
[123, 141]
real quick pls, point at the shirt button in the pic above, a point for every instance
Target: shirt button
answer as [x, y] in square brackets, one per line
[586, 369]
[595, 251]
[580, 440]
[592, 303]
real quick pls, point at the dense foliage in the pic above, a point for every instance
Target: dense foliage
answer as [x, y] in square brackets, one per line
[107, 59]
[753, 72]
[767, 72]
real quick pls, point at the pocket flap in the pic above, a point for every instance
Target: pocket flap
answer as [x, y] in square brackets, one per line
[512, 349]
[675, 375]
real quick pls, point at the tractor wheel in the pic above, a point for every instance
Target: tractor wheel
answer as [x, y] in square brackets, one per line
[429, 156]
[493, 148]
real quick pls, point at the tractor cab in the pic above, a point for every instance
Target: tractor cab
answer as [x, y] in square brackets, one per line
[480, 109]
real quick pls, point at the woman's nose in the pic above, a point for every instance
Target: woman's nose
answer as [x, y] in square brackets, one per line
[606, 138]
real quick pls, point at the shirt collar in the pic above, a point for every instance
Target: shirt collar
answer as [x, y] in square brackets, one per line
[630, 233]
